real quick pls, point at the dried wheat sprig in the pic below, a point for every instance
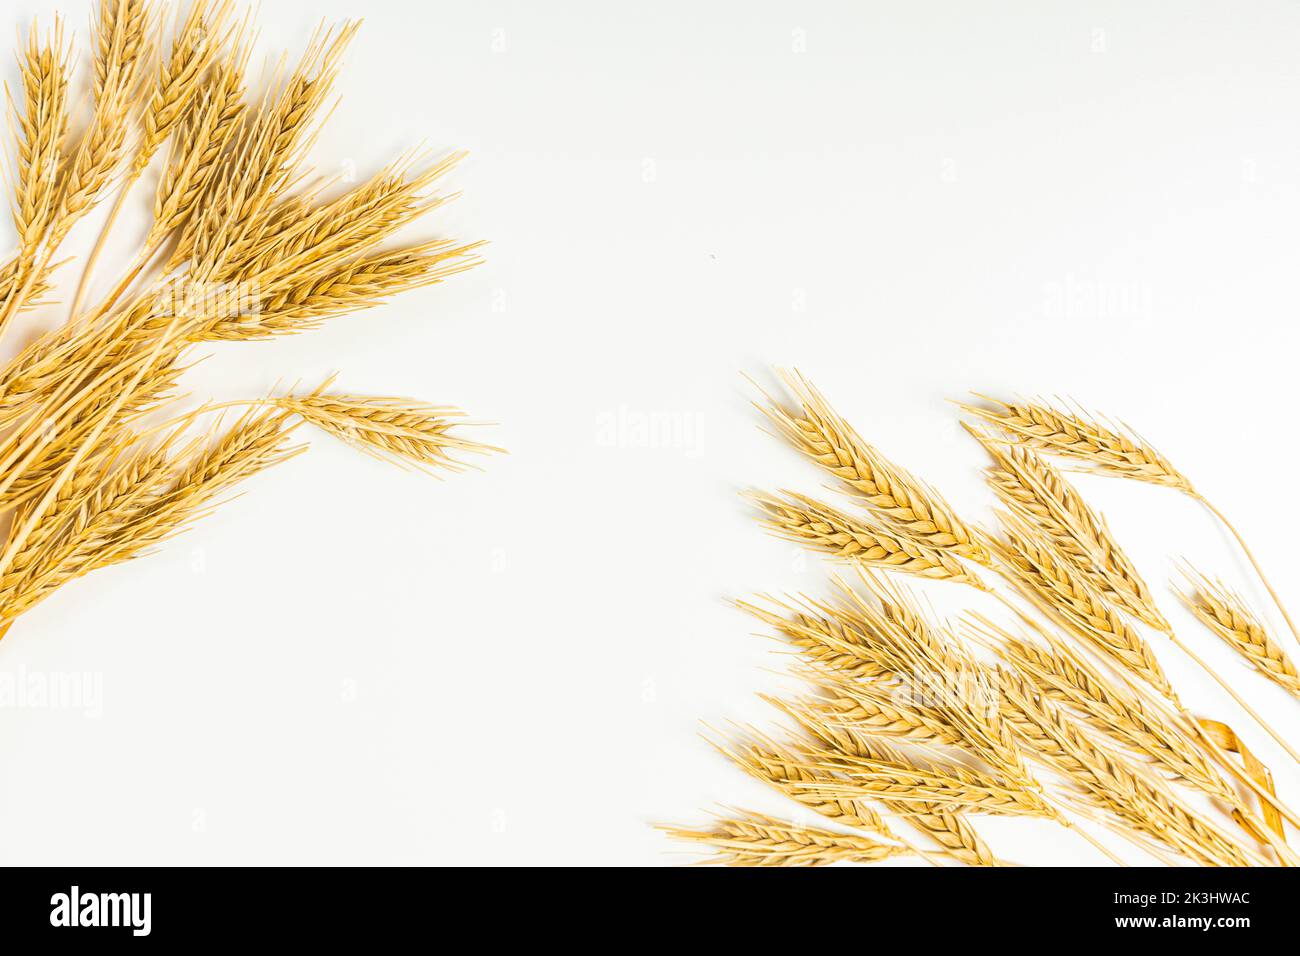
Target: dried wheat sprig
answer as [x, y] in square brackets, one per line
[759, 840]
[773, 765]
[815, 429]
[1081, 438]
[837, 645]
[123, 39]
[41, 126]
[867, 766]
[402, 431]
[294, 237]
[206, 133]
[861, 707]
[1039, 495]
[954, 833]
[200, 40]
[781, 769]
[951, 681]
[119, 33]
[258, 441]
[821, 527]
[339, 290]
[903, 786]
[1228, 616]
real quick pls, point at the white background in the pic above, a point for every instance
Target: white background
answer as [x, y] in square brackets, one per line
[350, 664]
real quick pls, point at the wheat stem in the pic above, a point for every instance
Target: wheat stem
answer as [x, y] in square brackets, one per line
[83, 286]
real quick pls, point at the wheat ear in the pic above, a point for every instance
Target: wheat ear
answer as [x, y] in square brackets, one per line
[393, 429]
[1232, 621]
[821, 527]
[755, 839]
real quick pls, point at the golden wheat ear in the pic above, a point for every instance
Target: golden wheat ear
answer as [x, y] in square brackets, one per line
[821, 527]
[755, 839]
[397, 430]
[1230, 619]
[1080, 437]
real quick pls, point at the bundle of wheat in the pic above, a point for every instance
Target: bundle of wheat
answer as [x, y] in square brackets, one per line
[242, 245]
[1064, 713]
